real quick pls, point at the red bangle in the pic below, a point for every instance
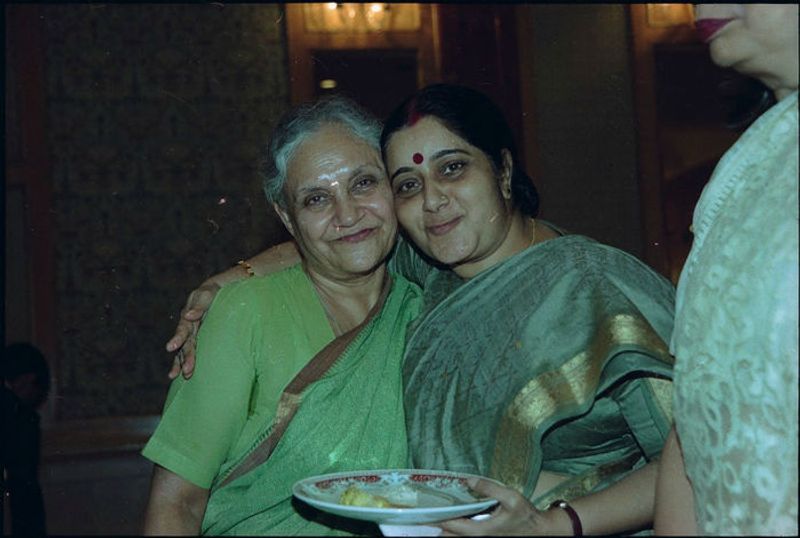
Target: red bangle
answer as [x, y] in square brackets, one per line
[577, 528]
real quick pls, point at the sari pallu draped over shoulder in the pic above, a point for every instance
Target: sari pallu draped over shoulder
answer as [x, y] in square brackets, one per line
[553, 360]
[342, 412]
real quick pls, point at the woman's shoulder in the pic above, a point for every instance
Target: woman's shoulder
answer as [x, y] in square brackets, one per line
[253, 292]
[599, 260]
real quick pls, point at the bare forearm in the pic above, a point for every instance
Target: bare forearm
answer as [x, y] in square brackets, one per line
[175, 507]
[624, 506]
[275, 259]
[167, 518]
[269, 261]
[674, 511]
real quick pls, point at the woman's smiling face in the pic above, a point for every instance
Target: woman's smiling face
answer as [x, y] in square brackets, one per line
[339, 204]
[447, 195]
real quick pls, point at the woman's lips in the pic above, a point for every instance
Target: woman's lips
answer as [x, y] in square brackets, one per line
[441, 229]
[708, 28]
[356, 237]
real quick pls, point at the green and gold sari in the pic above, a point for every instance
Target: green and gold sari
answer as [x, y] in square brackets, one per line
[552, 360]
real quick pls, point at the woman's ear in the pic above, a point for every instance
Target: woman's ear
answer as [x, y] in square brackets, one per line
[506, 173]
[285, 218]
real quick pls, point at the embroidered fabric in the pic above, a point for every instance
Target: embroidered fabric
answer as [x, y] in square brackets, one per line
[736, 336]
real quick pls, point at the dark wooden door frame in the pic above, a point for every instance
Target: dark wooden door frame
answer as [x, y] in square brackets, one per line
[28, 167]
[470, 44]
[643, 38]
[301, 44]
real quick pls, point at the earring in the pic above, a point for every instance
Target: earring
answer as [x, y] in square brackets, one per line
[506, 189]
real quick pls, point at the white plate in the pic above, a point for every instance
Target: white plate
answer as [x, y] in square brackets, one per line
[431, 495]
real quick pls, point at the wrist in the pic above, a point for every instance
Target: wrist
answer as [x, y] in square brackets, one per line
[568, 520]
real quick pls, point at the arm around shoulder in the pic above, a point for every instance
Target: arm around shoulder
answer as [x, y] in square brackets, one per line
[270, 261]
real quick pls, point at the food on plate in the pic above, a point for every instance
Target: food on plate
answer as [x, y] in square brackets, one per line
[355, 496]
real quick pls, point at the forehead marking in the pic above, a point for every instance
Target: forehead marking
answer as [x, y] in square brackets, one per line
[418, 158]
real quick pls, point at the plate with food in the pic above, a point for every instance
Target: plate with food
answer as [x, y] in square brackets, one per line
[394, 496]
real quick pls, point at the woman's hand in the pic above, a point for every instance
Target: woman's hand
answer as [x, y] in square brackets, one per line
[515, 515]
[185, 337]
[183, 341]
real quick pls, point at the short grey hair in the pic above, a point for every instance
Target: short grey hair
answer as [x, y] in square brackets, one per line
[298, 124]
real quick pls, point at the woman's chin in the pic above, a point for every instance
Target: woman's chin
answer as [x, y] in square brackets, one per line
[720, 54]
[450, 255]
[366, 262]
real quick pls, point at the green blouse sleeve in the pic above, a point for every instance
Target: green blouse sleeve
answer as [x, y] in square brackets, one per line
[408, 262]
[204, 416]
[645, 404]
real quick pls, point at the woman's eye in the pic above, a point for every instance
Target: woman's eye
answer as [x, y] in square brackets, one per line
[407, 187]
[453, 167]
[314, 201]
[364, 183]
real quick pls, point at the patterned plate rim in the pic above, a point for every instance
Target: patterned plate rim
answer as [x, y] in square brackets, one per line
[312, 480]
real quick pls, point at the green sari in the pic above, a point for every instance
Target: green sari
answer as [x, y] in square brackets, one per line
[275, 398]
[553, 360]
[341, 412]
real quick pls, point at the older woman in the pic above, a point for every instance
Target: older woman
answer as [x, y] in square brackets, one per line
[735, 340]
[540, 358]
[288, 362]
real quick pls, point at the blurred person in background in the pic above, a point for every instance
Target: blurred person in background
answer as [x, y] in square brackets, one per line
[26, 385]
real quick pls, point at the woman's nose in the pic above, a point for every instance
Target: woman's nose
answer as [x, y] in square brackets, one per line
[347, 212]
[433, 199]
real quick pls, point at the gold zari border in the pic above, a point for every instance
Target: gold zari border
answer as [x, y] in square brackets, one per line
[572, 384]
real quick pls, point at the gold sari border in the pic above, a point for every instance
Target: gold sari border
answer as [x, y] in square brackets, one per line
[570, 386]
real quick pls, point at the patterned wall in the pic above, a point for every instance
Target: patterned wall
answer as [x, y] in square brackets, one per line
[157, 115]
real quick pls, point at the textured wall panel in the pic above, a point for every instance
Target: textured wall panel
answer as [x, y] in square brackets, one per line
[155, 114]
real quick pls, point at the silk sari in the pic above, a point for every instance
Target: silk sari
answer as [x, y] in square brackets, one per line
[553, 360]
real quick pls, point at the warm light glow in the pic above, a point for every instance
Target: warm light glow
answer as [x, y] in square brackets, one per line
[327, 84]
[665, 15]
[337, 17]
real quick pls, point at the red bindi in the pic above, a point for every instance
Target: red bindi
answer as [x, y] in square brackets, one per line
[418, 158]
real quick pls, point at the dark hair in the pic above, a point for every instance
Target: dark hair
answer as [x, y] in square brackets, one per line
[23, 358]
[474, 117]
